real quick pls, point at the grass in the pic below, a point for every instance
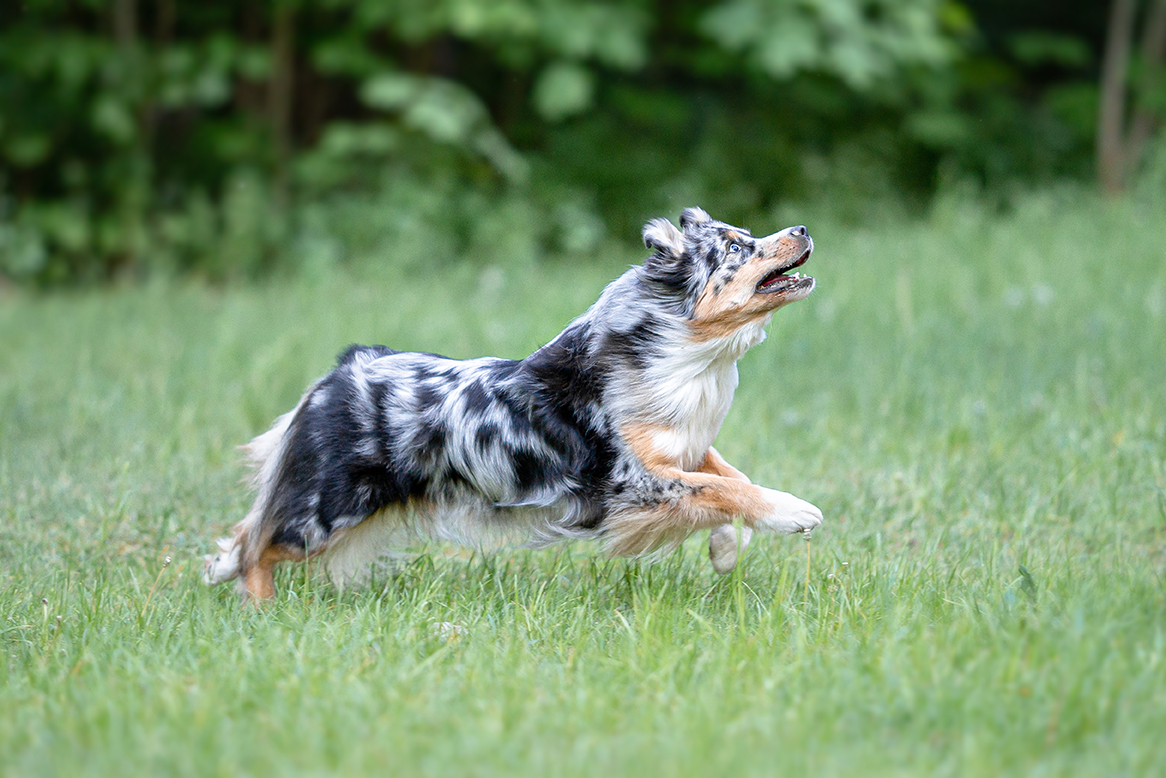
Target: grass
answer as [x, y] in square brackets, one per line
[977, 403]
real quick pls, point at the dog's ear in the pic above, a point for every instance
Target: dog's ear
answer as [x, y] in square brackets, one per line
[663, 238]
[693, 217]
[668, 266]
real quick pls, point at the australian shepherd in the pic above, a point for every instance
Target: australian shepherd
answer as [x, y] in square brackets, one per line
[606, 432]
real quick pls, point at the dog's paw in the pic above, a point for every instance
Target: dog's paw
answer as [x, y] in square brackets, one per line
[788, 514]
[222, 566]
[723, 547]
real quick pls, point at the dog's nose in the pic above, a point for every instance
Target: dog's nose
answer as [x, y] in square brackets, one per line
[800, 230]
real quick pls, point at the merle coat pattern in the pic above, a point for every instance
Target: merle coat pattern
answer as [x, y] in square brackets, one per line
[606, 432]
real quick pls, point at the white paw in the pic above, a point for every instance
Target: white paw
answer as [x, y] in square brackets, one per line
[788, 514]
[223, 566]
[723, 547]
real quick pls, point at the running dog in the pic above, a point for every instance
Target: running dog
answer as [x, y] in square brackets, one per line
[606, 432]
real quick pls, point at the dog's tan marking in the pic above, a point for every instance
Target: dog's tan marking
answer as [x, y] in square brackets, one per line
[715, 464]
[713, 496]
[725, 544]
[722, 311]
[260, 578]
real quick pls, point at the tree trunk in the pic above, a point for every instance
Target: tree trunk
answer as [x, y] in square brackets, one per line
[1153, 58]
[1111, 120]
[131, 195]
[281, 89]
[164, 21]
[125, 23]
[167, 14]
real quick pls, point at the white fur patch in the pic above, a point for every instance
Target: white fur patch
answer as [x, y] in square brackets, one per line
[725, 547]
[223, 566]
[354, 552]
[789, 514]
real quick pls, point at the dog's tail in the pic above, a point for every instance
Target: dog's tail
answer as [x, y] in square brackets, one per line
[253, 534]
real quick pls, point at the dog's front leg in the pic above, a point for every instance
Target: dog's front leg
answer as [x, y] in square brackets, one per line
[790, 514]
[794, 515]
[717, 465]
[671, 503]
[725, 545]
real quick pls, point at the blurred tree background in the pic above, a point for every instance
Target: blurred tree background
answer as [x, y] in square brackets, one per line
[232, 139]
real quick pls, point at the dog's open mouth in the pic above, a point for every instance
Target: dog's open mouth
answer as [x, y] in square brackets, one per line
[781, 280]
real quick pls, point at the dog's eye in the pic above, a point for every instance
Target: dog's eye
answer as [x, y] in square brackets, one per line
[733, 247]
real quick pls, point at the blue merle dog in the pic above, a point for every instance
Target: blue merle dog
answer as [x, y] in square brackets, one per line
[606, 432]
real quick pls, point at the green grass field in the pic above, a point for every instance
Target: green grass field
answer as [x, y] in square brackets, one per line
[977, 403]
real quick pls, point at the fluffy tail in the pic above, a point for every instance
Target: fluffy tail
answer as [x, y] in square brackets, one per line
[253, 534]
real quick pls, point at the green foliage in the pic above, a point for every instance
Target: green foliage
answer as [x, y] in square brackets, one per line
[859, 41]
[445, 112]
[564, 89]
[158, 138]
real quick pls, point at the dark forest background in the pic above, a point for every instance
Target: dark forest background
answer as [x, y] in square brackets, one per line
[231, 140]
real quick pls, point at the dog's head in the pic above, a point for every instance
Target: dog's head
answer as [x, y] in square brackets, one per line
[720, 276]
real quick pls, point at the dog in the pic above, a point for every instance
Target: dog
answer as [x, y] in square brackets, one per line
[606, 432]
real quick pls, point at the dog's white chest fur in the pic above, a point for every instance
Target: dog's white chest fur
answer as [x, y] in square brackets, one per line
[697, 407]
[688, 393]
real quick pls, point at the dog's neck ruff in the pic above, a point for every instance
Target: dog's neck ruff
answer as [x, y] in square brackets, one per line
[655, 373]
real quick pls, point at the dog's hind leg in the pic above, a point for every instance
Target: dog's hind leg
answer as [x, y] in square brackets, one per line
[260, 577]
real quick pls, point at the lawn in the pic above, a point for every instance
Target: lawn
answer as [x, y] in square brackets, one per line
[977, 402]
